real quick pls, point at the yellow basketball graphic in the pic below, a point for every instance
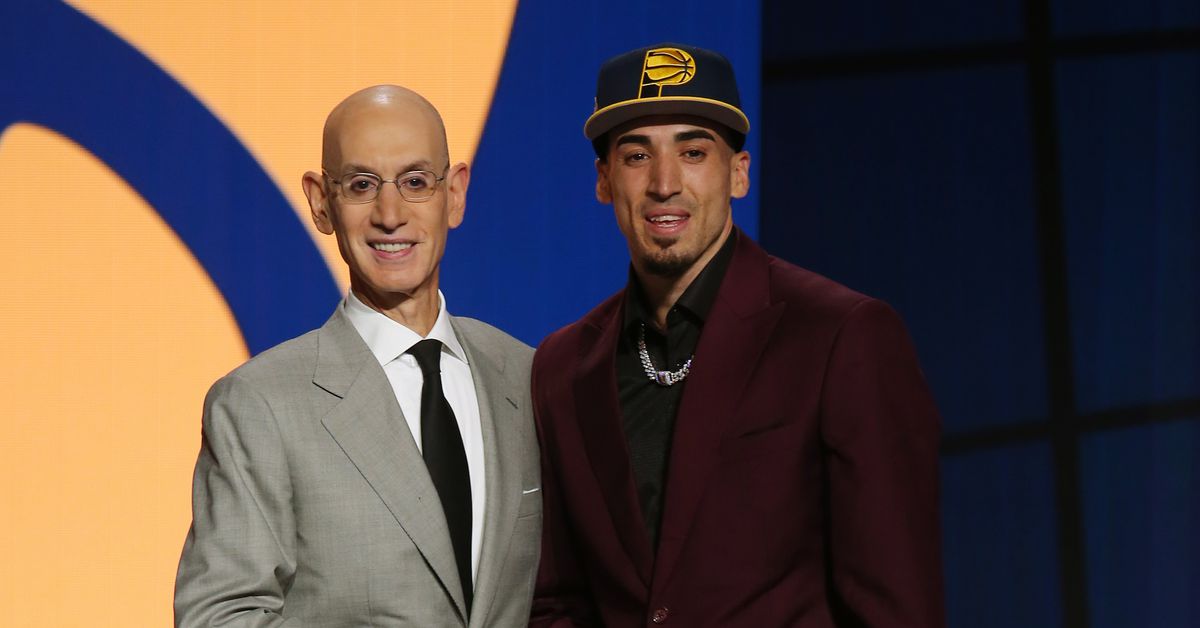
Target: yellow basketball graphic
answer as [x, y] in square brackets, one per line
[667, 66]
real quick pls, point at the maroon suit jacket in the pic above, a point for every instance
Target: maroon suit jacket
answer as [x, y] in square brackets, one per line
[802, 485]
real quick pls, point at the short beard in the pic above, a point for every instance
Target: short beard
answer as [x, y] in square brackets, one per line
[667, 265]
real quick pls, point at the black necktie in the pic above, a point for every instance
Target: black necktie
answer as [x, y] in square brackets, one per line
[442, 447]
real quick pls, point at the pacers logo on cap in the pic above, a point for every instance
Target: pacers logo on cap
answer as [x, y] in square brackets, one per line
[665, 66]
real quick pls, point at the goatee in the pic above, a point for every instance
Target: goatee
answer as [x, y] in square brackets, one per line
[666, 265]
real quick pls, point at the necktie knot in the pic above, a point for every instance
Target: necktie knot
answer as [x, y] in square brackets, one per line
[428, 353]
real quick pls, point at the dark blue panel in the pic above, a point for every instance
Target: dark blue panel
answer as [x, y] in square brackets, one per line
[917, 189]
[533, 258]
[798, 29]
[1131, 188]
[999, 544]
[1077, 17]
[1142, 512]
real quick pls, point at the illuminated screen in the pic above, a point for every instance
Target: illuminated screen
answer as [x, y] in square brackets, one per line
[157, 235]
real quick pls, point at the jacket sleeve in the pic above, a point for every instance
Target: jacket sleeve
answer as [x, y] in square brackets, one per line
[561, 597]
[881, 433]
[239, 557]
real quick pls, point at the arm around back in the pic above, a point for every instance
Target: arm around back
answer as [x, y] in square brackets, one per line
[561, 596]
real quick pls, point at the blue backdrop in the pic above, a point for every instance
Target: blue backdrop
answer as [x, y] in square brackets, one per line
[534, 261]
[1020, 179]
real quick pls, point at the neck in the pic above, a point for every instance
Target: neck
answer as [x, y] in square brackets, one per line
[661, 293]
[417, 312]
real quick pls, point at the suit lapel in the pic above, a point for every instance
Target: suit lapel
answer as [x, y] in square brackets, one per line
[498, 416]
[736, 332]
[369, 427]
[599, 414]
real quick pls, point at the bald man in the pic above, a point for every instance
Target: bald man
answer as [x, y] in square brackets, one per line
[381, 470]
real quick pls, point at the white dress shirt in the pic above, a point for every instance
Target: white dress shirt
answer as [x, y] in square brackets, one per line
[389, 341]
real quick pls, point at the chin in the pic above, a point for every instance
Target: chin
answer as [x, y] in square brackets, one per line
[667, 264]
[390, 287]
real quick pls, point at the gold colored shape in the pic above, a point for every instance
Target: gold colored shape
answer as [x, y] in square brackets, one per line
[112, 334]
[665, 66]
[272, 69]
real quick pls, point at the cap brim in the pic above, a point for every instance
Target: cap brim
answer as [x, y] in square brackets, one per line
[619, 113]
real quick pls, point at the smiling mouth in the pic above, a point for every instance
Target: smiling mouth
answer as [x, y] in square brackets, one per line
[391, 247]
[665, 220]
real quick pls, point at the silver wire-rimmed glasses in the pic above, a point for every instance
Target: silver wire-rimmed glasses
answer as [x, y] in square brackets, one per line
[363, 187]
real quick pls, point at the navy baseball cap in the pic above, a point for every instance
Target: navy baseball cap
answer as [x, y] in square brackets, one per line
[666, 78]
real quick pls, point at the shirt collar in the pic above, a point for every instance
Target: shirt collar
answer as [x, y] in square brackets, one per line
[697, 300]
[388, 339]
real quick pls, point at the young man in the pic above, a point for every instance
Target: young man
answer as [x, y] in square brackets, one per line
[381, 470]
[731, 440]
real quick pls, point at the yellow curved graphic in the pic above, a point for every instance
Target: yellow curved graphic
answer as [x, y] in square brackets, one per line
[112, 334]
[271, 70]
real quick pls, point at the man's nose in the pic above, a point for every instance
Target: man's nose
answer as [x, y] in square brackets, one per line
[665, 179]
[391, 210]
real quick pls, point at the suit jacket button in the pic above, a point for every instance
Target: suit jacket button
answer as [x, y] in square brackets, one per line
[660, 615]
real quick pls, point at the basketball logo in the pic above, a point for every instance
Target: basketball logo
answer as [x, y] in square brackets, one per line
[665, 66]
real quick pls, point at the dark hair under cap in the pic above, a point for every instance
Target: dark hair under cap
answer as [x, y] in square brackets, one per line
[666, 78]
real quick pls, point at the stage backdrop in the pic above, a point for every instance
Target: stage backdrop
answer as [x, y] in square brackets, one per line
[156, 234]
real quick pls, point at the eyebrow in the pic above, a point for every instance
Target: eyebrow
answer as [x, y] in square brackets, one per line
[633, 139]
[694, 134]
[682, 136]
[420, 164]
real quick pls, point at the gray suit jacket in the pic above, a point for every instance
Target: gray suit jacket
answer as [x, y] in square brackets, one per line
[312, 506]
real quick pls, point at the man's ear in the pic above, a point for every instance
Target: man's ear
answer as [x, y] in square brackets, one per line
[603, 191]
[457, 181]
[318, 201]
[739, 174]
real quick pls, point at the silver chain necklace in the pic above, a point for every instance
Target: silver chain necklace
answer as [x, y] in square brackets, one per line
[662, 378]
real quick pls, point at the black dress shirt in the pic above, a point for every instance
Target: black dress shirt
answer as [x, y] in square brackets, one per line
[647, 408]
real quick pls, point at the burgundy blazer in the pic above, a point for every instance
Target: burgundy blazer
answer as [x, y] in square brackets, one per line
[802, 485]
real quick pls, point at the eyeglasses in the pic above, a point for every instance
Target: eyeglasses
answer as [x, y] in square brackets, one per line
[363, 187]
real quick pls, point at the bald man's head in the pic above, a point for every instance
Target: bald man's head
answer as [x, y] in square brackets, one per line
[372, 104]
[389, 193]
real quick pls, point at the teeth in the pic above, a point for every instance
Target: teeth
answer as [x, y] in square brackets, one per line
[388, 247]
[666, 219]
